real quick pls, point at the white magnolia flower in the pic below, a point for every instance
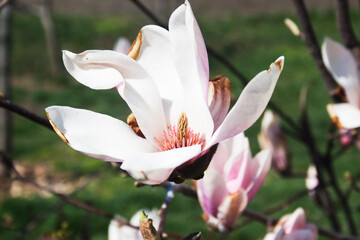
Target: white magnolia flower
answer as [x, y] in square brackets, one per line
[293, 227]
[343, 67]
[177, 112]
[123, 232]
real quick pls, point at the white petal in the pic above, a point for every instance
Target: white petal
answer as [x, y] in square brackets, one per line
[342, 65]
[189, 50]
[135, 86]
[250, 104]
[155, 168]
[96, 134]
[345, 115]
[89, 72]
[191, 62]
[118, 232]
[155, 48]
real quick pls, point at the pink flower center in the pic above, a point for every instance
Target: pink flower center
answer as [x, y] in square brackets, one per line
[179, 136]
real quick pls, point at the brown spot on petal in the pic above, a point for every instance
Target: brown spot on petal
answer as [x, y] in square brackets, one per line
[278, 64]
[131, 121]
[58, 131]
[135, 47]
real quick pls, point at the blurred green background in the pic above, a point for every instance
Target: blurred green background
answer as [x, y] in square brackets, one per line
[249, 41]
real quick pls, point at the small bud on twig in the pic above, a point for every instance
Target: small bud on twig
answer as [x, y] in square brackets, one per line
[147, 229]
[293, 27]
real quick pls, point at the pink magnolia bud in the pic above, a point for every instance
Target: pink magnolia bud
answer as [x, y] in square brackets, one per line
[231, 181]
[293, 227]
[271, 137]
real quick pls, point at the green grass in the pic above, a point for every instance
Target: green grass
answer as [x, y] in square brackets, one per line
[249, 42]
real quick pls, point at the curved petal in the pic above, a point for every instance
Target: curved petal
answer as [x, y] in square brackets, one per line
[263, 160]
[231, 207]
[155, 48]
[342, 65]
[250, 104]
[191, 63]
[90, 73]
[96, 134]
[156, 167]
[219, 98]
[296, 221]
[211, 190]
[189, 50]
[345, 115]
[135, 86]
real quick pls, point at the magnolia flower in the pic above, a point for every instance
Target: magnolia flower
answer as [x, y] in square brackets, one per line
[231, 181]
[293, 227]
[343, 67]
[123, 232]
[177, 113]
[122, 45]
[271, 137]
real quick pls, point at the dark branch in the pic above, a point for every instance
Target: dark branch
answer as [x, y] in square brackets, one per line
[313, 46]
[7, 104]
[343, 23]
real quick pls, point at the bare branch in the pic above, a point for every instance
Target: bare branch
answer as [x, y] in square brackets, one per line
[313, 46]
[343, 23]
[3, 3]
[7, 104]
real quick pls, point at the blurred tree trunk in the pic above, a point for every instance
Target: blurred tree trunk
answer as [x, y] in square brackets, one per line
[50, 37]
[5, 116]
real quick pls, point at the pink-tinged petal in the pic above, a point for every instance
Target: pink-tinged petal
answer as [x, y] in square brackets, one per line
[156, 167]
[263, 159]
[300, 235]
[231, 207]
[296, 221]
[275, 235]
[211, 191]
[342, 65]
[155, 47]
[122, 45]
[345, 115]
[91, 73]
[189, 50]
[311, 181]
[219, 98]
[239, 169]
[135, 86]
[250, 104]
[96, 134]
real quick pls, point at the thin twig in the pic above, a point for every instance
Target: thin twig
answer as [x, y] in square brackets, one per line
[164, 207]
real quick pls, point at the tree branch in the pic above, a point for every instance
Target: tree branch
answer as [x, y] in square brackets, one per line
[343, 23]
[313, 46]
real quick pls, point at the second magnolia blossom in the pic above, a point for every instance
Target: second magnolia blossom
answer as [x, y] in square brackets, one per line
[293, 227]
[178, 115]
[231, 181]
